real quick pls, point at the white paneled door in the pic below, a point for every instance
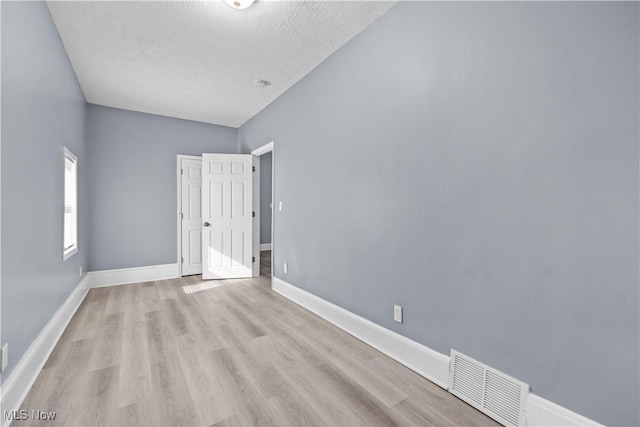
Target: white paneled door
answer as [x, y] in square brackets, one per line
[228, 216]
[191, 213]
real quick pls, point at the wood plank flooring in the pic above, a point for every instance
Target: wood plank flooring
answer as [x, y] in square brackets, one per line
[188, 352]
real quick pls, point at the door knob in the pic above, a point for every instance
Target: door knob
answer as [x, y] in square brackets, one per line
[206, 224]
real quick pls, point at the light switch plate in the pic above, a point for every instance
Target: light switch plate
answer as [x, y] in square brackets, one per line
[286, 268]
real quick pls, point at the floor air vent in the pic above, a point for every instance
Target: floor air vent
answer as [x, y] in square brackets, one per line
[492, 392]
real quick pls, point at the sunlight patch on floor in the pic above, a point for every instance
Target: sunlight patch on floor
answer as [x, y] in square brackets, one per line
[199, 287]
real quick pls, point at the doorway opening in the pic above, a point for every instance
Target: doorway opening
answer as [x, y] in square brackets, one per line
[192, 222]
[266, 155]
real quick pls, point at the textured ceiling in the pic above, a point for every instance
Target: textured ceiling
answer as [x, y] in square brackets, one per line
[200, 60]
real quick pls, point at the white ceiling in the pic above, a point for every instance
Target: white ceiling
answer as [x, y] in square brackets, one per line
[200, 60]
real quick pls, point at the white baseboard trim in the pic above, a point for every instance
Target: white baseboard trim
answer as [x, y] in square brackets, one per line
[428, 363]
[123, 276]
[19, 382]
[265, 246]
[542, 412]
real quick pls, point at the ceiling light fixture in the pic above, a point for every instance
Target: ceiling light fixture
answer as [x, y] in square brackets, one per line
[239, 4]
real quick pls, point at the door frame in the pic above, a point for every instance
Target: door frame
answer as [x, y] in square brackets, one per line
[264, 149]
[180, 157]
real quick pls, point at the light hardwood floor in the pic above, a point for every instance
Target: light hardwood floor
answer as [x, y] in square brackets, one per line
[231, 352]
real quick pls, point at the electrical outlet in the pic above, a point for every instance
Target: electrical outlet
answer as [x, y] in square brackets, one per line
[80, 271]
[279, 206]
[397, 313]
[5, 356]
[286, 267]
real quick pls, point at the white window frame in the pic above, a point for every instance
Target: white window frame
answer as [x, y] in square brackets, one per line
[68, 252]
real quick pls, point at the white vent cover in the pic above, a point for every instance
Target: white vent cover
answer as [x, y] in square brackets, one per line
[488, 390]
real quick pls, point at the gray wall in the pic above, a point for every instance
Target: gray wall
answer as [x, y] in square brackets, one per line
[132, 203]
[265, 198]
[476, 163]
[43, 109]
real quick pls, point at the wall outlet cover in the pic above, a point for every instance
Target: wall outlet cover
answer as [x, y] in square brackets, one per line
[5, 356]
[286, 267]
[397, 313]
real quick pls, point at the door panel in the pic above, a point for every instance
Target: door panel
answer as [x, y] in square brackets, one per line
[195, 194]
[227, 208]
[237, 200]
[195, 248]
[191, 207]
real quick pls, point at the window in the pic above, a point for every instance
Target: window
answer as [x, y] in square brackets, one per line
[70, 241]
